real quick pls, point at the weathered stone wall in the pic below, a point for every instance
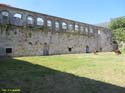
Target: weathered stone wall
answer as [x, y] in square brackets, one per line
[26, 36]
[105, 40]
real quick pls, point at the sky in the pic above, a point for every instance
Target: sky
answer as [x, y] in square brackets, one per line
[87, 11]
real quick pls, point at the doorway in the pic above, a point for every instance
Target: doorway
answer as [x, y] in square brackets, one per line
[87, 49]
[46, 49]
[115, 45]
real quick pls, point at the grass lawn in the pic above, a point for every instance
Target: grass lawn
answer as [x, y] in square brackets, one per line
[72, 73]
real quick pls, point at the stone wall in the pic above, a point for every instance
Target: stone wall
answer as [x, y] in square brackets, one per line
[26, 33]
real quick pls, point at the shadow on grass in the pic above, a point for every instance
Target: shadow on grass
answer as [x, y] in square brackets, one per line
[31, 78]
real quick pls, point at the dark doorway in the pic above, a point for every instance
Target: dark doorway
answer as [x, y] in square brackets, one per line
[115, 45]
[87, 49]
[100, 49]
[8, 50]
[45, 49]
[70, 49]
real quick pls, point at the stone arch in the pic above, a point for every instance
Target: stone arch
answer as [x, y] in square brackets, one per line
[57, 26]
[91, 30]
[5, 13]
[81, 28]
[40, 21]
[99, 31]
[76, 27]
[5, 16]
[30, 20]
[86, 30]
[17, 15]
[70, 26]
[49, 23]
[64, 25]
[17, 19]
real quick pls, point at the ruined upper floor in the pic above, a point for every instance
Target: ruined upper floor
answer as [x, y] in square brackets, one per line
[24, 18]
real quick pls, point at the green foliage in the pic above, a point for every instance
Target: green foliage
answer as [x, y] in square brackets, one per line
[117, 26]
[119, 34]
[117, 23]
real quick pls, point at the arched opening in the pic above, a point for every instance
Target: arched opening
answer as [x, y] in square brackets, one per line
[17, 19]
[49, 24]
[81, 28]
[86, 30]
[40, 21]
[64, 25]
[99, 32]
[5, 17]
[76, 28]
[70, 26]
[30, 20]
[5, 13]
[56, 26]
[17, 15]
[91, 30]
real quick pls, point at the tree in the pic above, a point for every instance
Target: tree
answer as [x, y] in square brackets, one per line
[119, 34]
[117, 26]
[117, 23]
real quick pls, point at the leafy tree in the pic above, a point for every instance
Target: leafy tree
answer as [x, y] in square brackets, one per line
[119, 34]
[117, 26]
[117, 23]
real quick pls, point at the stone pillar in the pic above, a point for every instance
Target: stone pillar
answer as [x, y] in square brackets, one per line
[60, 25]
[73, 26]
[45, 22]
[53, 25]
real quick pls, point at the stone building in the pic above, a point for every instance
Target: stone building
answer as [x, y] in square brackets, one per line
[27, 33]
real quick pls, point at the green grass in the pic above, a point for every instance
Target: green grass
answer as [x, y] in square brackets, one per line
[72, 73]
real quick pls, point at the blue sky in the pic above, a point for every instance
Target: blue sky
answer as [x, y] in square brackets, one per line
[87, 11]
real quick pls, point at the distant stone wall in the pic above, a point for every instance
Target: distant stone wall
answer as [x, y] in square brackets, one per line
[26, 33]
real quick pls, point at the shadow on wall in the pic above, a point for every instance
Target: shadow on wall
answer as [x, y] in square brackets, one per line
[31, 78]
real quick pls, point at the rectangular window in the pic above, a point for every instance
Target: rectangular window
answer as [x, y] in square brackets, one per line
[8, 50]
